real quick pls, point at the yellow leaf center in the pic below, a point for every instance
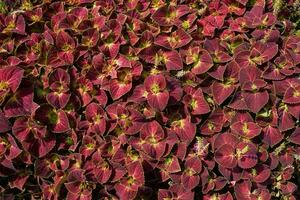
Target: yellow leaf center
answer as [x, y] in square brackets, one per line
[3, 85]
[155, 89]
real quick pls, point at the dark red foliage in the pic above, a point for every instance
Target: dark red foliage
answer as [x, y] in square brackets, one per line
[149, 99]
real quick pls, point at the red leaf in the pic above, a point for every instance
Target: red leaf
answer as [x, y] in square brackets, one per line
[256, 101]
[246, 129]
[225, 156]
[173, 60]
[295, 137]
[221, 91]
[292, 95]
[272, 136]
[4, 123]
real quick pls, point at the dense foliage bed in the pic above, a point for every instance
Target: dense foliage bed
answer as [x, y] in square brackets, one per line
[140, 99]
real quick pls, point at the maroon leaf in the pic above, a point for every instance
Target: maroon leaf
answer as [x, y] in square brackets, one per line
[295, 137]
[177, 39]
[221, 91]
[246, 154]
[21, 103]
[262, 53]
[173, 60]
[184, 129]
[157, 96]
[246, 129]
[256, 101]
[4, 123]
[96, 117]
[272, 136]
[292, 95]
[202, 63]
[167, 15]
[196, 102]
[242, 190]
[225, 156]
[10, 77]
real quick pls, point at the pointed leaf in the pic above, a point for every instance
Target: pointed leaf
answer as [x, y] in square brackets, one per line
[225, 156]
[272, 136]
[4, 123]
[295, 137]
[221, 92]
[173, 60]
[256, 101]
[292, 95]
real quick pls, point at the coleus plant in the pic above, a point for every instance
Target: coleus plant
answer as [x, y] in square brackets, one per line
[111, 99]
